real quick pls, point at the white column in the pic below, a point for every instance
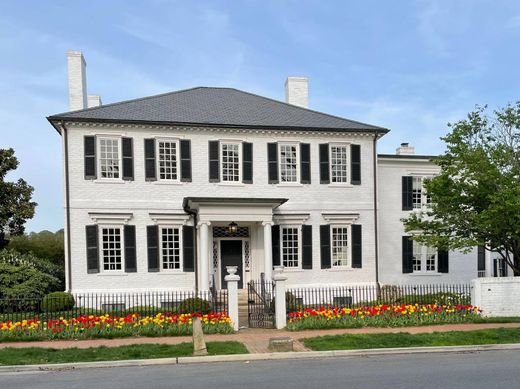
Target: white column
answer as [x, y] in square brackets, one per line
[232, 288]
[280, 309]
[204, 256]
[268, 253]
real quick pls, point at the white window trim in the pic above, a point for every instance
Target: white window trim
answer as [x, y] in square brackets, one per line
[298, 167]
[177, 157]
[98, 157]
[349, 247]
[181, 257]
[221, 159]
[100, 251]
[423, 271]
[347, 182]
[299, 228]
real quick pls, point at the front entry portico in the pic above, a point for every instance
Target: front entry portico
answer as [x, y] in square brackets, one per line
[255, 213]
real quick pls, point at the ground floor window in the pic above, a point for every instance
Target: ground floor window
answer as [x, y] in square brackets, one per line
[339, 246]
[170, 248]
[111, 248]
[290, 246]
[424, 258]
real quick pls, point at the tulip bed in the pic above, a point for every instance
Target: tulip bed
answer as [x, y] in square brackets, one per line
[381, 316]
[107, 326]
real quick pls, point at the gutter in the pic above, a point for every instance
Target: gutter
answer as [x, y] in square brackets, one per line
[193, 213]
[376, 242]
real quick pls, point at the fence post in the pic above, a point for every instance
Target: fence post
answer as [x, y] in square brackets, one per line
[280, 310]
[232, 287]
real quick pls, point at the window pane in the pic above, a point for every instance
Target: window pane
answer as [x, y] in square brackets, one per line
[417, 192]
[109, 157]
[230, 162]
[431, 259]
[170, 248]
[417, 256]
[290, 247]
[338, 163]
[288, 163]
[167, 160]
[339, 246]
[111, 250]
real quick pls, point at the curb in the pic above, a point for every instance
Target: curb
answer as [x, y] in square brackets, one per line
[259, 357]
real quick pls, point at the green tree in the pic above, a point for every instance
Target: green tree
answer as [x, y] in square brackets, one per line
[476, 196]
[43, 244]
[15, 199]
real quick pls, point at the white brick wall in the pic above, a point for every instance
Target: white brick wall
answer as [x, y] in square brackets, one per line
[140, 197]
[497, 296]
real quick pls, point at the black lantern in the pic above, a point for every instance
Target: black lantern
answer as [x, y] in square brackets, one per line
[232, 228]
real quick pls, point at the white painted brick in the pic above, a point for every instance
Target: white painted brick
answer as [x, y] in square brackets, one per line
[497, 296]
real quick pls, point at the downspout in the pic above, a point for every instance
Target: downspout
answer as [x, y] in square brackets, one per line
[67, 205]
[374, 151]
[193, 212]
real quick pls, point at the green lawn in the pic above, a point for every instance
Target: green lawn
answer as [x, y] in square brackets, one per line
[402, 339]
[37, 355]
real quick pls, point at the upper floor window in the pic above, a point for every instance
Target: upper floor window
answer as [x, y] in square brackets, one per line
[289, 163]
[414, 193]
[170, 248]
[109, 157]
[424, 258]
[290, 244]
[111, 248]
[339, 246]
[338, 163]
[168, 151]
[230, 154]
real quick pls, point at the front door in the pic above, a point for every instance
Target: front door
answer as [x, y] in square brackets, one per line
[231, 255]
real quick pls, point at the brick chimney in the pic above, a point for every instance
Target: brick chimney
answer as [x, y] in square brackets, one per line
[405, 149]
[297, 91]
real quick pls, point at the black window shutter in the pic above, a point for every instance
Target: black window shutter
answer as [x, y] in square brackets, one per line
[305, 163]
[152, 234]
[325, 246]
[92, 249]
[306, 247]
[185, 146]
[214, 162]
[357, 252]
[130, 255]
[247, 163]
[407, 193]
[503, 270]
[407, 255]
[355, 164]
[481, 258]
[324, 164]
[272, 163]
[89, 145]
[188, 248]
[128, 158]
[149, 160]
[275, 241]
[443, 261]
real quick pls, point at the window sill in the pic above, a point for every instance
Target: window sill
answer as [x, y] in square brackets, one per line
[340, 269]
[171, 273]
[114, 274]
[165, 182]
[293, 270]
[434, 274]
[109, 181]
[230, 183]
[339, 185]
[289, 184]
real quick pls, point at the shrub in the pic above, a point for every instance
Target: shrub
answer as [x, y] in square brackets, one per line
[441, 298]
[143, 310]
[194, 305]
[57, 302]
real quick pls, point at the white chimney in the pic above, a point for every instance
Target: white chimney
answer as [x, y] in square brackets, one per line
[94, 101]
[76, 66]
[297, 91]
[405, 149]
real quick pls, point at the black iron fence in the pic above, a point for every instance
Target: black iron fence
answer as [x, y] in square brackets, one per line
[20, 308]
[298, 299]
[260, 304]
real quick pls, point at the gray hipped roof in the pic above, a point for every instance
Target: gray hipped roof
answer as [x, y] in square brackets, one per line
[225, 107]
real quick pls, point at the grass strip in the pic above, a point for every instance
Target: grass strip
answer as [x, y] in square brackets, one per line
[402, 339]
[37, 355]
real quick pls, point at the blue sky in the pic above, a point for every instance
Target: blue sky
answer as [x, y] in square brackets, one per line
[411, 66]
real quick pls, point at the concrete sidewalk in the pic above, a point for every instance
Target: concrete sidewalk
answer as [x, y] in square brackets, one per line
[256, 340]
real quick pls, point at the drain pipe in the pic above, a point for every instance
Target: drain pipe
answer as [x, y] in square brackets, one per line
[374, 151]
[195, 215]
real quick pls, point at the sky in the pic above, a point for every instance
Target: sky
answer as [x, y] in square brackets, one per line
[410, 66]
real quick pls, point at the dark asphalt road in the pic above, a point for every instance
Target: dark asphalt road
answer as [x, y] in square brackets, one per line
[486, 370]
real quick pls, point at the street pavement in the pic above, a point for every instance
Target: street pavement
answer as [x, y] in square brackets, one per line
[483, 370]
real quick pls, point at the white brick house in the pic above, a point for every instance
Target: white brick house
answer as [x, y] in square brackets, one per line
[161, 193]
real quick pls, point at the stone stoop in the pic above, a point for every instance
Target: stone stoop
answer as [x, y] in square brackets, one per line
[243, 319]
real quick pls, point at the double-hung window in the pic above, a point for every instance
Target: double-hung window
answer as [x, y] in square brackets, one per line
[289, 163]
[109, 157]
[290, 246]
[111, 248]
[419, 197]
[170, 252]
[168, 159]
[340, 246]
[424, 258]
[338, 163]
[231, 160]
